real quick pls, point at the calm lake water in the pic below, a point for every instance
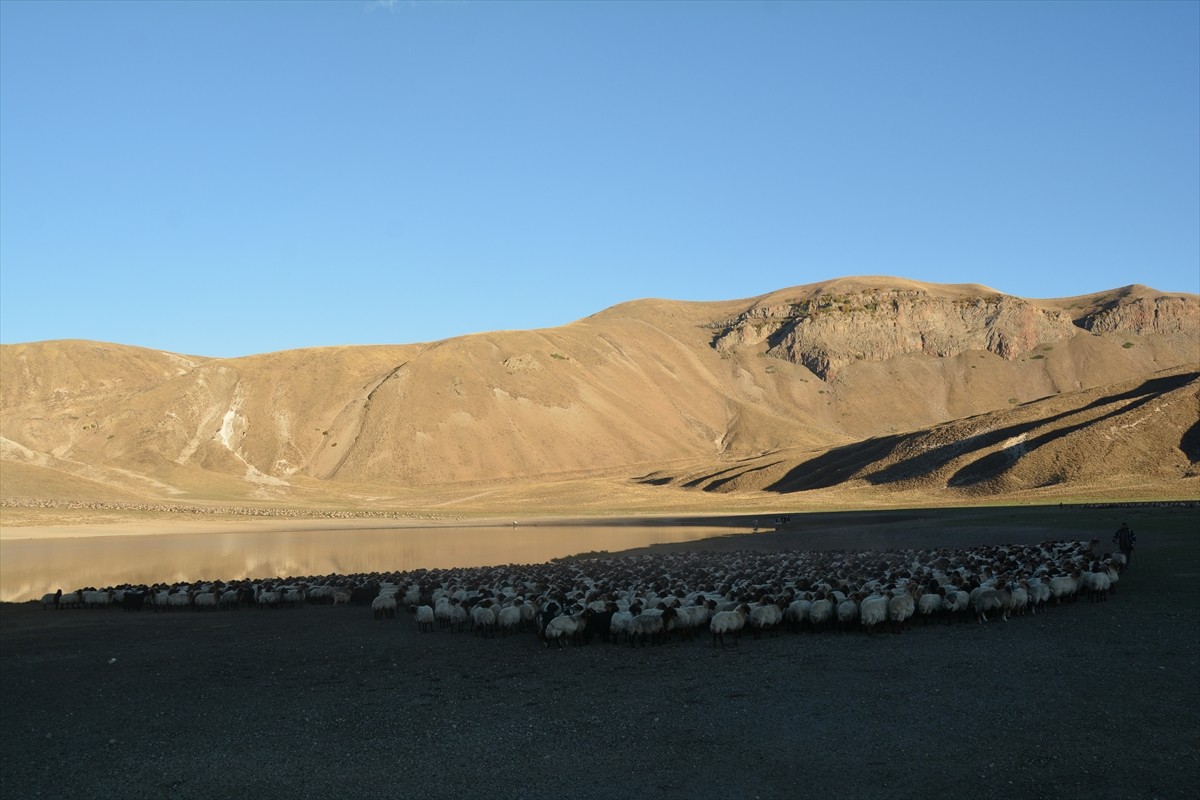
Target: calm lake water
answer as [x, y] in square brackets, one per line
[29, 568]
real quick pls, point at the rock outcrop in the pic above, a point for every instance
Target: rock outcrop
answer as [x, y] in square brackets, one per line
[1147, 315]
[828, 332]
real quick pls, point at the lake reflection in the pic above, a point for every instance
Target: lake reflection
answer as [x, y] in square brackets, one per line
[30, 568]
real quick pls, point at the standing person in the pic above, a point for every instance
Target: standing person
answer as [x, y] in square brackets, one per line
[1124, 538]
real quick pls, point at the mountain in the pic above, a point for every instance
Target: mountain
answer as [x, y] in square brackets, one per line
[854, 390]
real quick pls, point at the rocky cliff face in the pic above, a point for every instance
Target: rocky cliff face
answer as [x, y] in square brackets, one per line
[829, 331]
[1146, 315]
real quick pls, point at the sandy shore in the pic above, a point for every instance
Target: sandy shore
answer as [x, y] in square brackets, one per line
[1093, 699]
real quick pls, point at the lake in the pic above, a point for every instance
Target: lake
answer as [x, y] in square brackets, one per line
[29, 568]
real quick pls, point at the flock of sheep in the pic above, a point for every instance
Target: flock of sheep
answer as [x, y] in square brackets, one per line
[648, 599]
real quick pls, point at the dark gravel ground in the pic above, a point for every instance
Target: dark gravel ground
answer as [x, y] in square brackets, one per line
[1088, 700]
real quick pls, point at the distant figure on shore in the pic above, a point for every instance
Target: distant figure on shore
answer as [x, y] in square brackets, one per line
[1124, 539]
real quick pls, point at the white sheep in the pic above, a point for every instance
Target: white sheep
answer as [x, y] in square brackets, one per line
[179, 599]
[797, 612]
[97, 599]
[267, 598]
[384, 605]
[509, 619]
[765, 616]
[724, 622]
[1018, 598]
[820, 612]
[873, 611]
[957, 601]
[1064, 587]
[847, 612]
[564, 626]
[651, 624]
[425, 618]
[1039, 594]
[457, 616]
[929, 604]
[205, 600]
[483, 620]
[621, 622]
[987, 598]
[901, 607]
[441, 611]
[1095, 581]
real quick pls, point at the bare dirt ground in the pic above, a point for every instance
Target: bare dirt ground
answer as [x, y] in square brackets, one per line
[1096, 700]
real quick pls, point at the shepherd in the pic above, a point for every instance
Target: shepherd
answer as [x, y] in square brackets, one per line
[1124, 539]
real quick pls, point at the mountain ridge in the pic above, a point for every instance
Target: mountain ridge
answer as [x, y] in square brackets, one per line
[623, 393]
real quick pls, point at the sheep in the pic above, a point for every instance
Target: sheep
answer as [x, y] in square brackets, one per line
[1095, 581]
[483, 619]
[956, 602]
[230, 598]
[797, 613]
[158, 600]
[930, 603]
[97, 599]
[205, 600]
[267, 598]
[293, 596]
[724, 622]
[384, 605]
[651, 625]
[689, 619]
[425, 619]
[599, 621]
[820, 612]
[456, 616]
[621, 622]
[901, 608]
[1018, 598]
[847, 612]
[441, 612]
[985, 599]
[546, 614]
[528, 614]
[319, 595]
[134, 600]
[563, 626]
[52, 600]
[1039, 594]
[508, 620]
[180, 599]
[765, 616]
[873, 611]
[1064, 587]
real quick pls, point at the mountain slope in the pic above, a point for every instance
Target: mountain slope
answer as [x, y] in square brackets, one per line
[813, 387]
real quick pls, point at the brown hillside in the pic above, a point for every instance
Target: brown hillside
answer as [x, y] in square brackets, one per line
[832, 386]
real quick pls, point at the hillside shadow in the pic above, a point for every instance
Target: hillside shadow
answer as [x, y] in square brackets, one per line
[835, 466]
[938, 457]
[841, 463]
[1190, 443]
[995, 464]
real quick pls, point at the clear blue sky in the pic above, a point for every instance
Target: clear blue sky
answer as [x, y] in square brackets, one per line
[227, 178]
